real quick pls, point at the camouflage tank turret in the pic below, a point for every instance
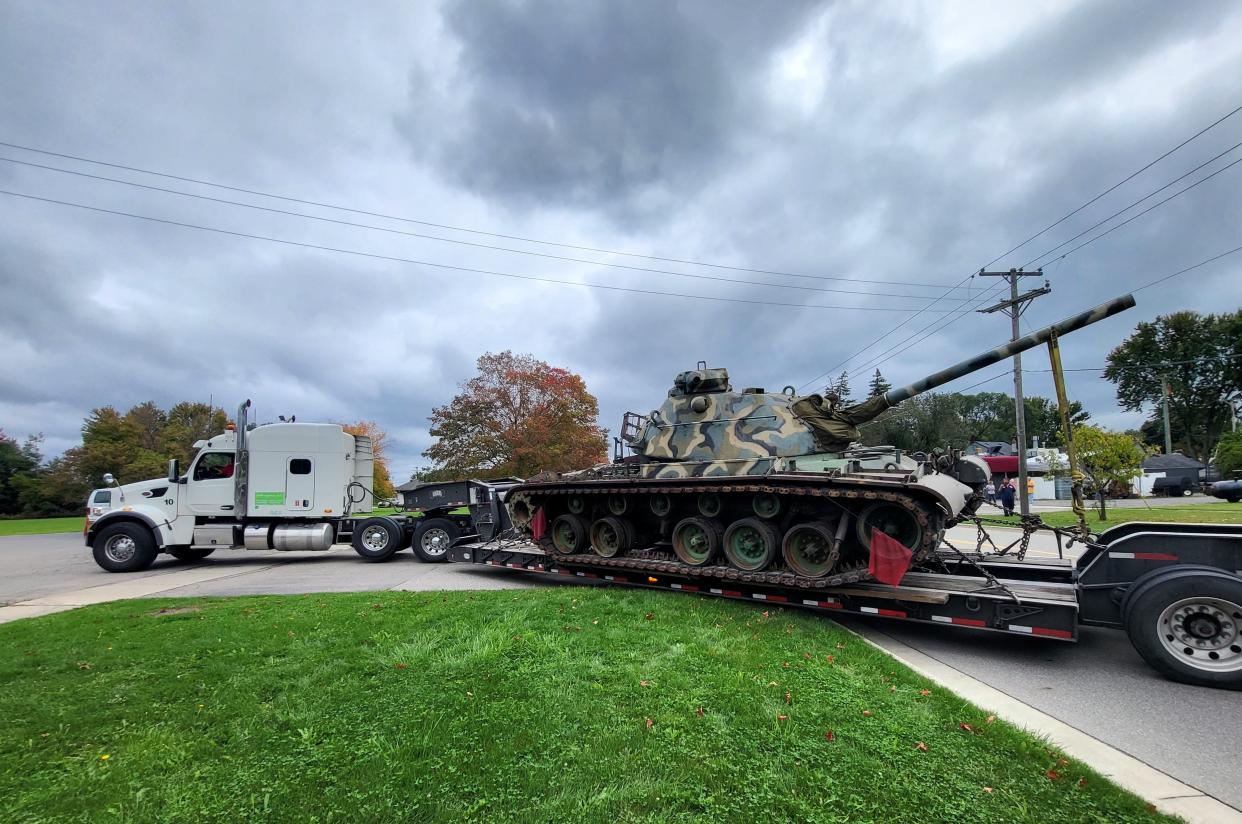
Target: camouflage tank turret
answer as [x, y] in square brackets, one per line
[763, 486]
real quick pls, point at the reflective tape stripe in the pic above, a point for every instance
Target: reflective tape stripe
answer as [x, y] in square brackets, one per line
[685, 587]
[892, 613]
[964, 622]
[827, 603]
[1143, 556]
[1044, 631]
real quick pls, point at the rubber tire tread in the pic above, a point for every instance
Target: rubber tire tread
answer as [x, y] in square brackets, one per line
[191, 554]
[1158, 592]
[144, 542]
[430, 523]
[394, 539]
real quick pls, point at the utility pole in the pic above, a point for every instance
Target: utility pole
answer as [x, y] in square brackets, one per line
[1014, 307]
[1164, 402]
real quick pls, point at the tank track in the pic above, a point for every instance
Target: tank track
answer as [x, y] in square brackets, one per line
[654, 560]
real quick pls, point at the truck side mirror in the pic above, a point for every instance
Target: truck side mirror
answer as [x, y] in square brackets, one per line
[109, 479]
[174, 470]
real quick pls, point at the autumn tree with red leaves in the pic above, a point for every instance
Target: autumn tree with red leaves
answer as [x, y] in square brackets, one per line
[382, 483]
[518, 416]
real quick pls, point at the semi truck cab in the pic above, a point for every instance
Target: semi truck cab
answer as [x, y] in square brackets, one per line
[275, 486]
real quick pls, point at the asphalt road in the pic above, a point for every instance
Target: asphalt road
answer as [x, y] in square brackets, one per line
[1099, 685]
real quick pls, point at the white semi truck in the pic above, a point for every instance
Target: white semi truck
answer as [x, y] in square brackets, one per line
[282, 486]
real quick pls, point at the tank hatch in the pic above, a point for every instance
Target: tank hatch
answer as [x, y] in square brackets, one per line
[700, 381]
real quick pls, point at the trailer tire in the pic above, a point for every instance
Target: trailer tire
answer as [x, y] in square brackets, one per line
[1186, 622]
[190, 554]
[377, 539]
[432, 539]
[124, 547]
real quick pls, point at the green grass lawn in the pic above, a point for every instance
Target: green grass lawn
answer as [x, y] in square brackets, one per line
[558, 704]
[1173, 512]
[41, 526]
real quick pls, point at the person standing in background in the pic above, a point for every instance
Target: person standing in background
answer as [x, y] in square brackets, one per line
[989, 492]
[1007, 496]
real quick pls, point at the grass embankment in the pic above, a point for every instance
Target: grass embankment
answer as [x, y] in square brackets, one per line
[41, 526]
[561, 704]
[1222, 513]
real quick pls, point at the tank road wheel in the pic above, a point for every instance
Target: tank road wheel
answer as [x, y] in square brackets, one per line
[661, 505]
[696, 540]
[709, 504]
[577, 504]
[893, 520]
[611, 537]
[751, 544]
[618, 504]
[807, 549]
[1187, 623]
[766, 505]
[569, 534]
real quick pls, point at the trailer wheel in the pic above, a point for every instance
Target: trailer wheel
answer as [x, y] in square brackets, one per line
[376, 539]
[1187, 623]
[432, 539]
[124, 547]
[190, 554]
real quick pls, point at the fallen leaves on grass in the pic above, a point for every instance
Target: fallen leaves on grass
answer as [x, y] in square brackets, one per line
[924, 692]
[650, 616]
[699, 712]
[785, 664]
[987, 790]
[780, 717]
[400, 666]
[650, 723]
[1082, 782]
[829, 735]
[866, 713]
[892, 689]
[1051, 775]
[789, 698]
[921, 747]
[990, 719]
[830, 658]
[85, 665]
[644, 683]
[840, 646]
[966, 727]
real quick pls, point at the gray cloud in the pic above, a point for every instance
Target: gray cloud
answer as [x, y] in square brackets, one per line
[910, 144]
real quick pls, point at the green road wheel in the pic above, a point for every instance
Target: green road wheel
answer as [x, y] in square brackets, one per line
[709, 504]
[618, 504]
[751, 544]
[569, 534]
[696, 540]
[577, 504]
[766, 505]
[661, 505]
[893, 520]
[807, 549]
[611, 537]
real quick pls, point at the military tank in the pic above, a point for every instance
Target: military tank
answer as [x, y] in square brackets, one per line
[762, 486]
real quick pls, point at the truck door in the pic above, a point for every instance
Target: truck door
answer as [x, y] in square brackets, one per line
[209, 492]
[300, 484]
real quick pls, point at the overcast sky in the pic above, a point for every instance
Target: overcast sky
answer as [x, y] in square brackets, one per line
[895, 146]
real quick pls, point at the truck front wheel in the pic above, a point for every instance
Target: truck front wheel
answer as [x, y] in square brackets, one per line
[190, 554]
[1187, 623]
[376, 539]
[433, 538]
[124, 547]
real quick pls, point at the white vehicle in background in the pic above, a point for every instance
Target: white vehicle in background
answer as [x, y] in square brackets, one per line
[97, 503]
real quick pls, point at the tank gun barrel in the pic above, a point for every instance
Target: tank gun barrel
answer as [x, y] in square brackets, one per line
[1000, 353]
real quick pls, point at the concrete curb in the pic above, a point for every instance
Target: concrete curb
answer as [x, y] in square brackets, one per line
[1164, 791]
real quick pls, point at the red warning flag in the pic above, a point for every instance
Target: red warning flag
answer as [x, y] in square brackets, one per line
[538, 524]
[889, 558]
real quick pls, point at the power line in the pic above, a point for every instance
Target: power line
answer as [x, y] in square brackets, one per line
[1150, 284]
[1061, 220]
[581, 248]
[454, 240]
[1115, 186]
[1133, 218]
[396, 259]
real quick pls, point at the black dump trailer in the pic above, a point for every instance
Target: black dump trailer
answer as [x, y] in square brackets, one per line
[1175, 589]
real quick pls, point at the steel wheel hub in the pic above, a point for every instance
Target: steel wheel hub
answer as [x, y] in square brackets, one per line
[435, 541]
[1203, 632]
[375, 538]
[120, 549]
[694, 540]
[748, 544]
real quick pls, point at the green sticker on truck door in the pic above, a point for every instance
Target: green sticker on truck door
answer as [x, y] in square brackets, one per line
[269, 498]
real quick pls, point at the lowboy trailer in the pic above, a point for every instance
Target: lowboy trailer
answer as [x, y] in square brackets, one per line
[1174, 588]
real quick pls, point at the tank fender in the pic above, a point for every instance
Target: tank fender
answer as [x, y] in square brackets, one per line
[949, 493]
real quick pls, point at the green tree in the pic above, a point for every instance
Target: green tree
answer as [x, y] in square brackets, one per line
[188, 422]
[840, 387]
[18, 463]
[1229, 455]
[878, 385]
[1199, 358]
[1109, 459]
[517, 416]
[1043, 420]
